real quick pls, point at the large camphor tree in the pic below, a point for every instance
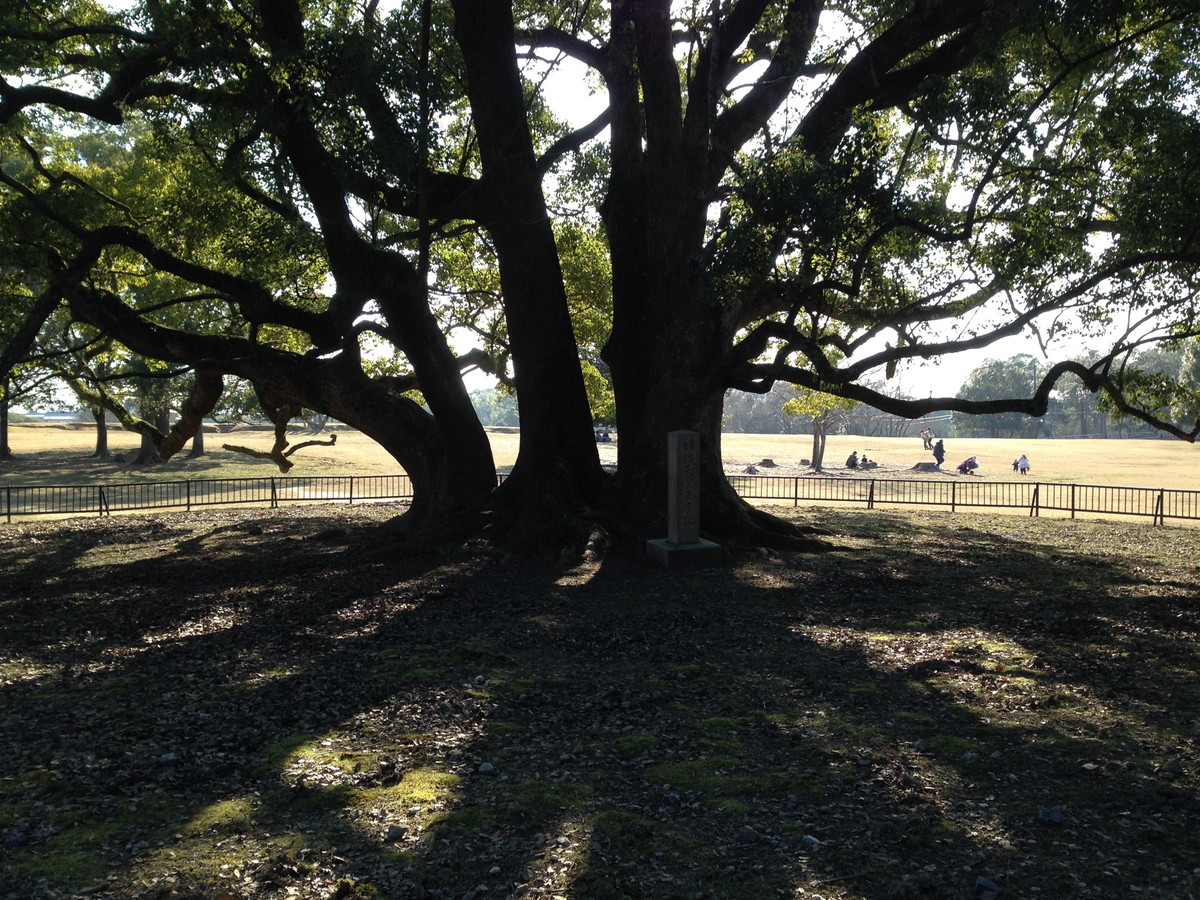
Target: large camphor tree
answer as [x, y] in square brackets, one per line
[820, 193]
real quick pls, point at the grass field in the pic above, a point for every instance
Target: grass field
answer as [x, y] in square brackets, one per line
[54, 454]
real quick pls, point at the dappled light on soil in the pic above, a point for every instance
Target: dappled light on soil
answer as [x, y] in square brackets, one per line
[942, 699]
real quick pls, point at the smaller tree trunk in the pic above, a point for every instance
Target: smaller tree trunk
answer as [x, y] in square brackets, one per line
[5, 450]
[98, 416]
[148, 451]
[818, 448]
[197, 443]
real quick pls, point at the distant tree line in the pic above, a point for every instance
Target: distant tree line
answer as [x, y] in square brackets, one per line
[1170, 371]
[495, 406]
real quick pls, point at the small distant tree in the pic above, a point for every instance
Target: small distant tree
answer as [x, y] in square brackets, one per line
[825, 411]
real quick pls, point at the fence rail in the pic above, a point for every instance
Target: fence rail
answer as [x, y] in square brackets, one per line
[103, 499]
[1158, 504]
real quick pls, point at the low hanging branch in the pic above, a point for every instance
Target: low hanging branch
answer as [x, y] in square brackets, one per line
[281, 452]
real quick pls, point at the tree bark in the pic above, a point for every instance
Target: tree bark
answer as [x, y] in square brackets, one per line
[670, 337]
[197, 443]
[5, 450]
[557, 473]
[336, 386]
[100, 416]
[818, 448]
[148, 450]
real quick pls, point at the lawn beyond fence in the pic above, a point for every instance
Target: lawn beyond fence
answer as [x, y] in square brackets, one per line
[1158, 504]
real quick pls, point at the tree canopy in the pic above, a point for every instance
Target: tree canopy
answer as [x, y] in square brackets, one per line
[319, 197]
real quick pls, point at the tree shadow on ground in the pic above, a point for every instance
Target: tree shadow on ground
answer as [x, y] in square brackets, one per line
[251, 709]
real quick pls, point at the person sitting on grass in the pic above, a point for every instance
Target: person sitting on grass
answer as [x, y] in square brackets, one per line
[968, 465]
[852, 460]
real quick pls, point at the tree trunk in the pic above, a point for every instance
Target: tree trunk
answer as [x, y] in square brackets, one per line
[669, 343]
[818, 448]
[5, 450]
[455, 472]
[337, 386]
[148, 450]
[99, 416]
[557, 475]
[197, 443]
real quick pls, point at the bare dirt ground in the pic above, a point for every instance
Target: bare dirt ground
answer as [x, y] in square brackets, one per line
[252, 704]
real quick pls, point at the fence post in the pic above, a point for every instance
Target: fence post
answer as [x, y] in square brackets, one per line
[1159, 516]
[1072, 501]
[871, 495]
[274, 495]
[8, 503]
[1033, 507]
[189, 495]
[953, 494]
[795, 490]
[351, 490]
[102, 502]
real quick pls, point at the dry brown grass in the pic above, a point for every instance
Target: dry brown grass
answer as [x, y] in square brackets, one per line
[1167, 464]
[1137, 463]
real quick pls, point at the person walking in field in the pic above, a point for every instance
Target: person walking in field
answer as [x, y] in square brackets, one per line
[1022, 464]
[939, 452]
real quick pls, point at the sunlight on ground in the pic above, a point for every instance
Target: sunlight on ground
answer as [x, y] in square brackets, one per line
[222, 618]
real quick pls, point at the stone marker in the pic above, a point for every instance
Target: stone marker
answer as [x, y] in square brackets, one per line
[683, 547]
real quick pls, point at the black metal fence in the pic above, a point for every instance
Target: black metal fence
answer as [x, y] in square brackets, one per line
[104, 499]
[954, 493]
[967, 492]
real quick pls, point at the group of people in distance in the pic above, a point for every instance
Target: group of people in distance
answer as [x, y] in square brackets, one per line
[966, 467]
[854, 461]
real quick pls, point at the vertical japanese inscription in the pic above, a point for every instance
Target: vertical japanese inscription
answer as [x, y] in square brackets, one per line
[683, 487]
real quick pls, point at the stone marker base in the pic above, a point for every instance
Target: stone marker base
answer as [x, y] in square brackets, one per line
[926, 467]
[685, 556]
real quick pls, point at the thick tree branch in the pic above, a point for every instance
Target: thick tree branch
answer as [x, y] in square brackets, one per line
[557, 39]
[864, 77]
[788, 63]
[206, 391]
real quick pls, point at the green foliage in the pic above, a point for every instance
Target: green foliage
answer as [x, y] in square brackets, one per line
[600, 394]
[1164, 379]
[818, 406]
[997, 378]
[495, 407]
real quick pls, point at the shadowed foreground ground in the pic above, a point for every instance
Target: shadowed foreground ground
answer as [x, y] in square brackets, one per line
[231, 705]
